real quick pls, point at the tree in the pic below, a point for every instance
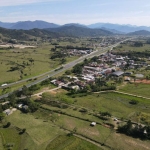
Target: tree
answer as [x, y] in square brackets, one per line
[2, 116]
[77, 69]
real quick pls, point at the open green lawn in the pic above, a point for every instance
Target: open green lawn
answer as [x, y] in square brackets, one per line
[127, 47]
[42, 62]
[40, 131]
[137, 89]
[117, 104]
[11, 139]
[102, 134]
[44, 134]
[70, 143]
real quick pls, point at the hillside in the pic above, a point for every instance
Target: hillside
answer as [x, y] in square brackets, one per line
[118, 27]
[27, 34]
[80, 31]
[141, 32]
[27, 25]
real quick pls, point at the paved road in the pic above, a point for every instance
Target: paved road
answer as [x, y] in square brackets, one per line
[59, 70]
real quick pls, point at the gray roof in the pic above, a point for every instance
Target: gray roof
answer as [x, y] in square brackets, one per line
[118, 73]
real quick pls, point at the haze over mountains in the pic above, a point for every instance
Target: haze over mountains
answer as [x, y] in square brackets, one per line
[115, 28]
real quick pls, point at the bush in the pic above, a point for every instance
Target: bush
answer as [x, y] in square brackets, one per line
[133, 102]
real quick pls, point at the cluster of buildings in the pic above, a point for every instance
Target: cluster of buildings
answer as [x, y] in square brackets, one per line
[105, 65]
[76, 52]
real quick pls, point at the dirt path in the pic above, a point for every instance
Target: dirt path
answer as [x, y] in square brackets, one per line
[49, 90]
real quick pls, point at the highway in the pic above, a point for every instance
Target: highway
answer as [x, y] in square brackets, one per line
[58, 70]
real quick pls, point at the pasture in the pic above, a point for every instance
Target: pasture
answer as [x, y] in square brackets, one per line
[136, 89]
[119, 105]
[17, 64]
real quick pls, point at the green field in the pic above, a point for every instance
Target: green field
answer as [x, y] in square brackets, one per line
[70, 143]
[11, 139]
[39, 133]
[117, 104]
[44, 127]
[15, 57]
[128, 47]
[137, 89]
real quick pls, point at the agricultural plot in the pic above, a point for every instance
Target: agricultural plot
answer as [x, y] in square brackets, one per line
[70, 143]
[11, 139]
[119, 105]
[137, 89]
[17, 64]
[128, 47]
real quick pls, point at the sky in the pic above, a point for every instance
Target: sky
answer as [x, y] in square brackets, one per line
[134, 12]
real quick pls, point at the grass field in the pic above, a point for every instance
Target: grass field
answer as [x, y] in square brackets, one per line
[45, 127]
[117, 104]
[14, 57]
[101, 134]
[70, 143]
[137, 89]
[127, 47]
[11, 139]
[41, 132]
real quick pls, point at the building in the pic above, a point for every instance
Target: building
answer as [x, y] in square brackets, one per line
[93, 124]
[117, 73]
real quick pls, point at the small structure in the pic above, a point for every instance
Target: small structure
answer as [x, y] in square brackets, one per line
[93, 124]
[139, 75]
[127, 79]
[25, 107]
[19, 106]
[115, 119]
[117, 73]
[7, 111]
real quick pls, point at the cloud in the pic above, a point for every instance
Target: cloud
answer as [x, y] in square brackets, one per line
[24, 2]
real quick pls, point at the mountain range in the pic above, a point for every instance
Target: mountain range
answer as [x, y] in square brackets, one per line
[115, 28]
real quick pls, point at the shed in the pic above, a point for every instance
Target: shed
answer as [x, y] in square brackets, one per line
[139, 75]
[7, 111]
[93, 124]
[118, 73]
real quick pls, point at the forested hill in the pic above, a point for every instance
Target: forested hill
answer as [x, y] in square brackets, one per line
[141, 32]
[79, 31]
[27, 34]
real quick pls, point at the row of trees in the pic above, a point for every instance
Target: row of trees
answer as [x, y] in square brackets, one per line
[135, 130]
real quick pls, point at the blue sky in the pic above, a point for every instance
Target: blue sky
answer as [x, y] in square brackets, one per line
[135, 12]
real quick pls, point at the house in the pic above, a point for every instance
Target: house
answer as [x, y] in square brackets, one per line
[19, 106]
[25, 107]
[139, 75]
[7, 111]
[53, 81]
[117, 73]
[127, 79]
[93, 124]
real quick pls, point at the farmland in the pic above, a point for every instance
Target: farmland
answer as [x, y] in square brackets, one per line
[137, 89]
[39, 134]
[17, 64]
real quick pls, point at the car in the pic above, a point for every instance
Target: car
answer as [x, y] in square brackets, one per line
[4, 84]
[115, 119]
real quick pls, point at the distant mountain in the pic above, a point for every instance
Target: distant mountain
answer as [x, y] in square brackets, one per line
[113, 31]
[27, 34]
[115, 28]
[120, 28]
[141, 32]
[27, 25]
[6, 25]
[80, 31]
[76, 25]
